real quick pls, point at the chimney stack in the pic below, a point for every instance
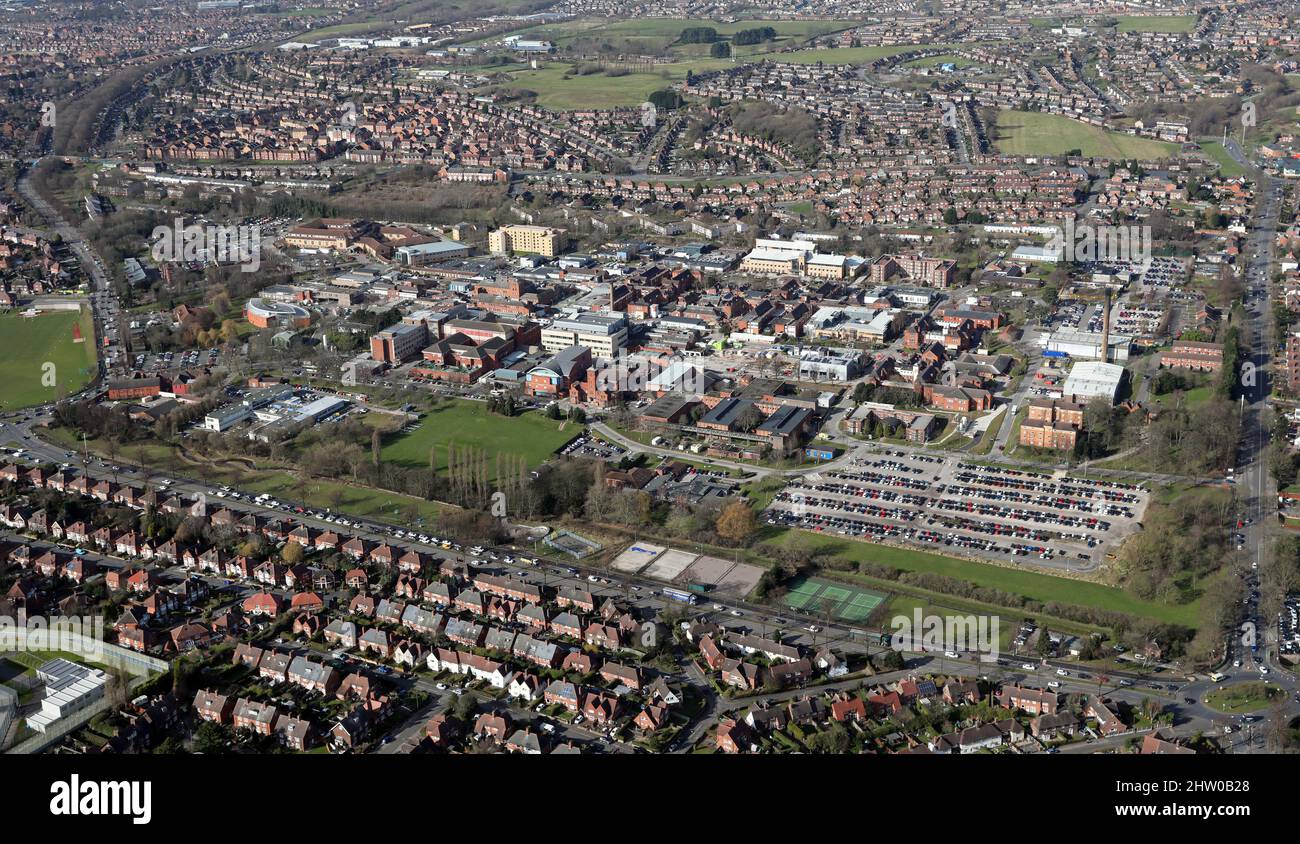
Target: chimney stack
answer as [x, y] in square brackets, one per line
[1105, 329]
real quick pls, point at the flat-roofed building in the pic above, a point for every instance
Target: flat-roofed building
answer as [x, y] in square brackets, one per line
[537, 240]
[824, 364]
[69, 688]
[827, 266]
[1091, 379]
[603, 334]
[1087, 344]
[773, 256]
[400, 343]
[419, 254]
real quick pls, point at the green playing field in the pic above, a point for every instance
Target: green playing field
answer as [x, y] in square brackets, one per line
[44, 356]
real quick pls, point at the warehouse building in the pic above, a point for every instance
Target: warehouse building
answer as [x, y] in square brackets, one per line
[1091, 379]
[1087, 344]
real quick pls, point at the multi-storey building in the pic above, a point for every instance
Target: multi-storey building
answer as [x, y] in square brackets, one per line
[539, 240]
[1052, 424]
[603, 334]
[400, 343]
[932, 272]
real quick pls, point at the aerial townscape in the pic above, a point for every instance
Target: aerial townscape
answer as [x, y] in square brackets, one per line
[694, 377]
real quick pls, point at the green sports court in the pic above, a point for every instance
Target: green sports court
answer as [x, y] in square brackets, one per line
[845, 603]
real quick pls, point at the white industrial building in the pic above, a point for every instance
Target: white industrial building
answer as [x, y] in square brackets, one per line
[1087, 344]
[823, 364]
[69, 688]
[1090, 379]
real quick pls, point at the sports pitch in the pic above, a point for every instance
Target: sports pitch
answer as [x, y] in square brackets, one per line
[41, 357]
[467, 424]
[845, 603]
[1039, 133]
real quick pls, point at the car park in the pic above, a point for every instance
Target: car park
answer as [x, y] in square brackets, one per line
[982, 509]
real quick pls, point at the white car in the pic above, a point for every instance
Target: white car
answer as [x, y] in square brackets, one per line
[1054, 684]
[1061, 672]
[737, 613]
[1026, 666]
[952, 655]
[1263, 669]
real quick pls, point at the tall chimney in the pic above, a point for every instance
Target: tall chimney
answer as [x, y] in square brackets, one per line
[1105, 329]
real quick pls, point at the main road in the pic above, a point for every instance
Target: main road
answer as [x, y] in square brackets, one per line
[1251, 651]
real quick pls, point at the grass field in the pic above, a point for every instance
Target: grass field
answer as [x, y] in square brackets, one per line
[1156, 23]
[1228, 166]
[1191, 398]
[561, 92]
[468, 424]
[1030, 584]
[27, 344]
[598, 90]
[342, 30]
[1037, 133]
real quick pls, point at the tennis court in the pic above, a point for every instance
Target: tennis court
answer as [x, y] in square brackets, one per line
[844, 603]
